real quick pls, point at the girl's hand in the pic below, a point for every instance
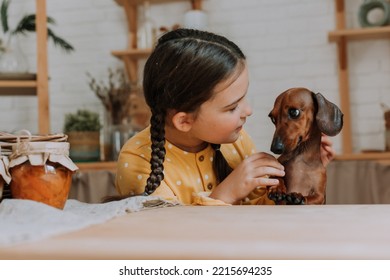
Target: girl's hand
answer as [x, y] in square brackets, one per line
[327, 151]
[252, 172]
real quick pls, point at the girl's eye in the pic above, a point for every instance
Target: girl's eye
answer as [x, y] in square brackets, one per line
[293, 113]
[233, 109]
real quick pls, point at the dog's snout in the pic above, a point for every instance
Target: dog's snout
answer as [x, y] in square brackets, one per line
[277, 146]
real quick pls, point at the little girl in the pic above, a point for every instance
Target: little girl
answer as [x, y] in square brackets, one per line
[195, 150]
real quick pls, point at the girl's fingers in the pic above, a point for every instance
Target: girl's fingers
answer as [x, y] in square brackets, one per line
[262, 165]
[326, 141]
[265, 181]
[263, 159]
[268, 171]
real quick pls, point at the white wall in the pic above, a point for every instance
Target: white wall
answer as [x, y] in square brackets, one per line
[285, 42]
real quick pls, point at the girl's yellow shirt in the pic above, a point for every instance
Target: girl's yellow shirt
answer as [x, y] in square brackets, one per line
[188, 177]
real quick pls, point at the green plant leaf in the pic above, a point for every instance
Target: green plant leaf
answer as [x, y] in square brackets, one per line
[51, 20]
[59, 41]
[82, 120]
[4, 15]
[27, 23]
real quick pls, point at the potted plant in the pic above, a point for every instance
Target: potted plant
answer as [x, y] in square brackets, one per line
[83, 130]
[126, 111]
[12, 60]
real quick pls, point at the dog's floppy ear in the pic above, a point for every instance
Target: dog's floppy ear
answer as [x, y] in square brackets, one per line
[329, 117]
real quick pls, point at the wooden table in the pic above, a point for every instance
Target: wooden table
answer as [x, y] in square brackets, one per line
[231, 232]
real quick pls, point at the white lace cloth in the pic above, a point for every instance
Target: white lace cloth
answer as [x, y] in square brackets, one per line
[26, 220]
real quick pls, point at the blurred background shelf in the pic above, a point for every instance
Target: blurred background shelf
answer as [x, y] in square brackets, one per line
[365, 156]
[360, 34]
[341, 36]
[132, 54]
[18, 88]
[95, 166]
[27, 84]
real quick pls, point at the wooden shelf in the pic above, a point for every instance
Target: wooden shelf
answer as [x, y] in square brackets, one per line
[18, 88]
[196, 4]
[364, 156]
[360, 34]
[18, 84]
[132, 53]
[97, 166]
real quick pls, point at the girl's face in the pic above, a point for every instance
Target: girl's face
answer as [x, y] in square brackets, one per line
[220, 119]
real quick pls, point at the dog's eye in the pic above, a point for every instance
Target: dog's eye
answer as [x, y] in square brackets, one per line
[293, 113]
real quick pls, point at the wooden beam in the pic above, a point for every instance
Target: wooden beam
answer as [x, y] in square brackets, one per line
[343, 75]
[42, 68]
[196, 4]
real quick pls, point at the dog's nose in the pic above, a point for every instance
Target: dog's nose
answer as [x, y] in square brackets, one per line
[277, 146]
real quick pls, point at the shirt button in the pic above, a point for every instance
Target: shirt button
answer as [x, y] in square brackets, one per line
[201, 158]
[209, 186]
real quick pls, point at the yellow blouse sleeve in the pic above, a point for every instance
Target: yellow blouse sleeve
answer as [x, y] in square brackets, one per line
[258, 196]
[203, 199]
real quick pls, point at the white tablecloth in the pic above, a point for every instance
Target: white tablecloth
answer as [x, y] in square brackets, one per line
[27, 220]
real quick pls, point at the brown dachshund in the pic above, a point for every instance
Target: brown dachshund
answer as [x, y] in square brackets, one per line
[300, 117]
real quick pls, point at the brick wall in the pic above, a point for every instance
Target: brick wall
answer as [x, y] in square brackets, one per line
[285, 42]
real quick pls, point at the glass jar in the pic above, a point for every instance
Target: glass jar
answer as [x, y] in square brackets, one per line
[48, 183]
[41, 171]
[12, 59]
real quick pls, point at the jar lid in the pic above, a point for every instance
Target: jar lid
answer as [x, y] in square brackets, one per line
[37, 153]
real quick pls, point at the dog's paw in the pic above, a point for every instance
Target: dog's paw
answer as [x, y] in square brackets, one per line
[282, 198]
[278, 197]
[294, 199]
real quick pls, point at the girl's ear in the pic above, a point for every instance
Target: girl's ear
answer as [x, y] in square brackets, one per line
[183, 121]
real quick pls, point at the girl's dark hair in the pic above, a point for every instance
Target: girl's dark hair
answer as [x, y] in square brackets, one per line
[180, 74]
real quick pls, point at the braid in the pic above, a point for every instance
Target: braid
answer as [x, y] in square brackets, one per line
[157, 132]
[221, 167]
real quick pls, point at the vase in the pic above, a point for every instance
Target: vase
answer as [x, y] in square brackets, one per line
[113, 136]
[12, 58]
[120, 133]
[105, 137]
[146, 35]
